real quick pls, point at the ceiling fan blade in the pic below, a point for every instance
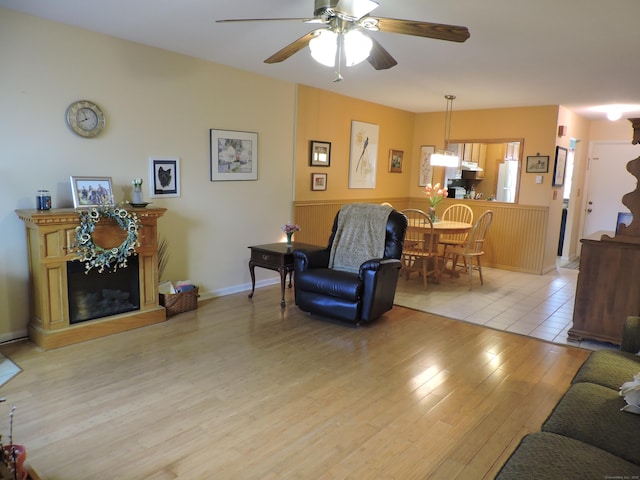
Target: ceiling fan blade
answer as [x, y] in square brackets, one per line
[232, 20]
[379, 58]
[292, 48]
[438, 31]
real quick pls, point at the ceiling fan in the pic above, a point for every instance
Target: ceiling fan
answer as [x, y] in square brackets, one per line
[344, 29]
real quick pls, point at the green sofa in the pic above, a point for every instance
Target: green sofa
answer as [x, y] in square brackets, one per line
[587, 436]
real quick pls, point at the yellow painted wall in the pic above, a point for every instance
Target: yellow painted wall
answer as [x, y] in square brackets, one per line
[578, 128]
[611, 131]
[326, 116]
[537, 125]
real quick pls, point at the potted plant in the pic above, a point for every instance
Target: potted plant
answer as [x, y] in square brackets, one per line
[12, 456]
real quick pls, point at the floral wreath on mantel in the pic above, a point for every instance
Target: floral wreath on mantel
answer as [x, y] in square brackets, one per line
[94, 255]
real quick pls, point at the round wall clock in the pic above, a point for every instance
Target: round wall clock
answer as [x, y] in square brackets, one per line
[85, 118]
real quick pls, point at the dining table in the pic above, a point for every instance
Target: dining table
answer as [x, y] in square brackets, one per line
[441, 227]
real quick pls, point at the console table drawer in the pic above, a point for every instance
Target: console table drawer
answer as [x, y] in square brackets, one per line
[267, 257]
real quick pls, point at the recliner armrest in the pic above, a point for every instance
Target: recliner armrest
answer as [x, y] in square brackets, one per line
[380, 263]
[304, 259]
[631, 335]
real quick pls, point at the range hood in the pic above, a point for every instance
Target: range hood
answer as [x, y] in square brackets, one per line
[471, 167]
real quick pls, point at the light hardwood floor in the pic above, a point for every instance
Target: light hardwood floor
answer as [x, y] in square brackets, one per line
[242, 390]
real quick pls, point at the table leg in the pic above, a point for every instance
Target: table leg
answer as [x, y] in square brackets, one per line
[253, 277]
[283, 279]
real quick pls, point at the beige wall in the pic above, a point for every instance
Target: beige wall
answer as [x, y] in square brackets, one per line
[325, 116]
[157, 103]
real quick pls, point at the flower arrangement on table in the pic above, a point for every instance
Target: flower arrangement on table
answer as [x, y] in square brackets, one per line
[290, 228]
[434, 194]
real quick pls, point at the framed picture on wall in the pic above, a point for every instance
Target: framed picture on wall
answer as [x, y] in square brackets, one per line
[91, 191]
[560, 166]
[318, 181]
[538, 164]
[363, 156]
[395, 161]
[426, 170]
[320, 155]
[165, 177]
[234, 155]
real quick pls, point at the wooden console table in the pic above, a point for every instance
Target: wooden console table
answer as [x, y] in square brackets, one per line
[50, 237]
[278, 257]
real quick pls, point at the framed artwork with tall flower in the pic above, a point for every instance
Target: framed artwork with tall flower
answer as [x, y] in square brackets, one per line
[560, 166]
[426, 170]
[363, 158]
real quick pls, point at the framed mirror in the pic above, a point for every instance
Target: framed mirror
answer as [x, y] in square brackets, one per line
[490, 169]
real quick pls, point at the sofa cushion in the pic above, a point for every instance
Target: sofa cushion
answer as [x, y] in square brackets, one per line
[543, 456]
[609, 368]
[591, 413]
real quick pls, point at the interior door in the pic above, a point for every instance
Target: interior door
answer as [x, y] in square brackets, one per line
[608, 181]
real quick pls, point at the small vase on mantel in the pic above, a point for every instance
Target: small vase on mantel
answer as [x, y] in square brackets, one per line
[137, 195]
[137, 191]
[289, 238]
[432, 214]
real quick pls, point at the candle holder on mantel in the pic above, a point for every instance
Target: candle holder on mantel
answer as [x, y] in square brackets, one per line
[631, 233]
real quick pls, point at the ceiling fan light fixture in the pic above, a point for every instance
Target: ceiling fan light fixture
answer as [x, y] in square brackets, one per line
[357, 47]
[323, 47]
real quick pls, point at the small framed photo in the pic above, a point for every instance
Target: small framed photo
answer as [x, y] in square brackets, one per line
[559, 166]
[318, 181]
[165, 177]
[91, 191]
[320, 155]
[538, 164]
[234, 155]
[426, 170]
[395, 161]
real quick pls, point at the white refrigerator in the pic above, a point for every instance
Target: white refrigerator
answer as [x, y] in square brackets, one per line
[507, 178]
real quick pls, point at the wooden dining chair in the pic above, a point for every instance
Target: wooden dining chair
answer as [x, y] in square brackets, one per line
[420, 250]
[457, 212]
[472, 248]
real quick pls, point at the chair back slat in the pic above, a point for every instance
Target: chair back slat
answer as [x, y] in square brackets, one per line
[457, 212]
[477, 235]
[420, 250]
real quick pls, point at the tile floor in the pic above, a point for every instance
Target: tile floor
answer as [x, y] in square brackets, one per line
[539, 306]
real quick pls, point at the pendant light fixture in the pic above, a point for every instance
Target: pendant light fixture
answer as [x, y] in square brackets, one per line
[445, 157]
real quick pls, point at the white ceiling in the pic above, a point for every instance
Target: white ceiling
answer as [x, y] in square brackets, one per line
[576, 53]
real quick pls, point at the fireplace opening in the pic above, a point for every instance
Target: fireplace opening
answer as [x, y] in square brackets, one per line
[95, 295]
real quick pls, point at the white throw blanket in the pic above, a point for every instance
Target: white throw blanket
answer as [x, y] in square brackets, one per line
[631, 393]
[360, 235]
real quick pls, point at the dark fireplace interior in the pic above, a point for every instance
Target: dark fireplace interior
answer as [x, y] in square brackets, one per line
[95, 295]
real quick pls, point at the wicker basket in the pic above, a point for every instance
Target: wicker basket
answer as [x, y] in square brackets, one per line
[180, 302]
